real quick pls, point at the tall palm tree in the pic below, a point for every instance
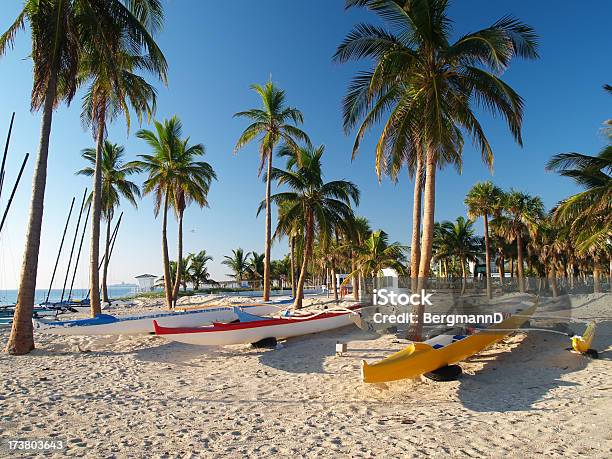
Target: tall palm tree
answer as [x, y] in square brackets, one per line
[115, 184]
[271, 124]
[429, 87]
[192, 181]
[322, 205]
[62, 32]
[377, 253]
[521, 214]
[110, 68]
[55, 55]
[176, 178]
[484, 200]
[238, 262]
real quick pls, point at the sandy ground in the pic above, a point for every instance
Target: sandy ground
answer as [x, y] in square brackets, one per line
[147, 397]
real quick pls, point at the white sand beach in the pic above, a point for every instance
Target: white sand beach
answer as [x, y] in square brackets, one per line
[147, 397]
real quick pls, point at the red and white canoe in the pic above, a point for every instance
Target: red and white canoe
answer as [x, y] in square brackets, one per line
[253, 331]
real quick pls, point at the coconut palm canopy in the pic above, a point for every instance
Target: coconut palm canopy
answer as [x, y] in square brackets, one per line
[589, 213]
[115, 173]
[323, 206]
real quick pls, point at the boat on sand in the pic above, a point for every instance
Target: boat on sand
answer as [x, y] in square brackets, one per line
[106, 324]
[419, 358]
[251, 330]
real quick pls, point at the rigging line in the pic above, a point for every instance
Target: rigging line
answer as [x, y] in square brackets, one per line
[76, 263]
[59, 252]
[10, 201]
[113, 238]
[76, 233]
[6, 146]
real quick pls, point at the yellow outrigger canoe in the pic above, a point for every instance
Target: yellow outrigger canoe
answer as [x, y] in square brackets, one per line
[442, 350]
[582, 343]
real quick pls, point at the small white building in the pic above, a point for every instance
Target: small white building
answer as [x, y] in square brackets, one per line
[146, 282]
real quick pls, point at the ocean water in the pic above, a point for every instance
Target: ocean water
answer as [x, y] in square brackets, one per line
[10, 296]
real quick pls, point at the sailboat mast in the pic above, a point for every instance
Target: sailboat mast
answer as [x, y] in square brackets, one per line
[76, 233]
[6, 146]
[10, 201]
[76, 263]
[59, 252]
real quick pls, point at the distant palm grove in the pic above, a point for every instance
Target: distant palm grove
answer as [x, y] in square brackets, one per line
[420, 89]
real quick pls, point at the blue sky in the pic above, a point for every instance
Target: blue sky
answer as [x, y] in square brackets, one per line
[216, 50]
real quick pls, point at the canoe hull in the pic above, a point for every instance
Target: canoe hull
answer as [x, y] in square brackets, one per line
[138, 325]
[220, 336]
[420, 358]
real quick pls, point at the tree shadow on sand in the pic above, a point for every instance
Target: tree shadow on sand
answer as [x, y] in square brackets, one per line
[518, 379]
[307, 354]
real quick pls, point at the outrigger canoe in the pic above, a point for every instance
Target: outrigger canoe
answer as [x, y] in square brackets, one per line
[257, 329]
[442, 350]
[105, 324]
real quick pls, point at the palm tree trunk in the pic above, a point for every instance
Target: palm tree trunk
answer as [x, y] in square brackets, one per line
[105, 298]
[334, 282]
[179, 264]
[415, 247]
[307, 251]
[487, 256]
[429, 203]
[355, 280]
[596, 283]
[519, 264]
[266, 286]
[553, 282]
[293, 279]
[463, 276]
[165, 257]
[21, 340]
[96, 216]
[502, 271]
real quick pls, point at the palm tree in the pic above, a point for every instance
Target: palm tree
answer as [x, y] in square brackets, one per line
[238, 263]
[55, 54]
[457, 240]
[521, 214]
[115, 184]
[176, 178]
[294, 230]
[588, 214]
[322, 205]
[122, 48]
[192, 183]
[377, 253]
[484, 200]
[272, 123]
[196, 268]
[60, 32]
[430, 87]
[256, 265]
[359, 231]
